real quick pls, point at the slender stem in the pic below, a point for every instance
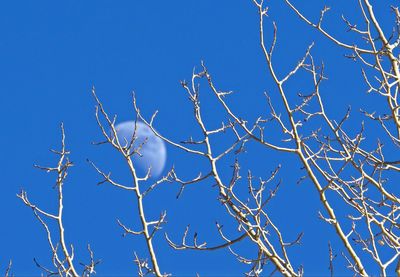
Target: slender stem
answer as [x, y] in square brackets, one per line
[146, 233]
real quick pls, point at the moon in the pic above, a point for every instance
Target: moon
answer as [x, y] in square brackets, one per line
[153, 152]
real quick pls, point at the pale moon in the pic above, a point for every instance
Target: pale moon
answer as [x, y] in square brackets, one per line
[153, 152]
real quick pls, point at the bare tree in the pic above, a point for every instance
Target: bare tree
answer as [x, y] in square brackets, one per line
[359, 174]
[338, 163]
[128, 149]
[62, 255]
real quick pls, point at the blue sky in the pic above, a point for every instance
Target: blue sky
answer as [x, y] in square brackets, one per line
[53, 52]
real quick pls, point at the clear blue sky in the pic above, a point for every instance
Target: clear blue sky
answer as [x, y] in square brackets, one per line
[52, 52]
